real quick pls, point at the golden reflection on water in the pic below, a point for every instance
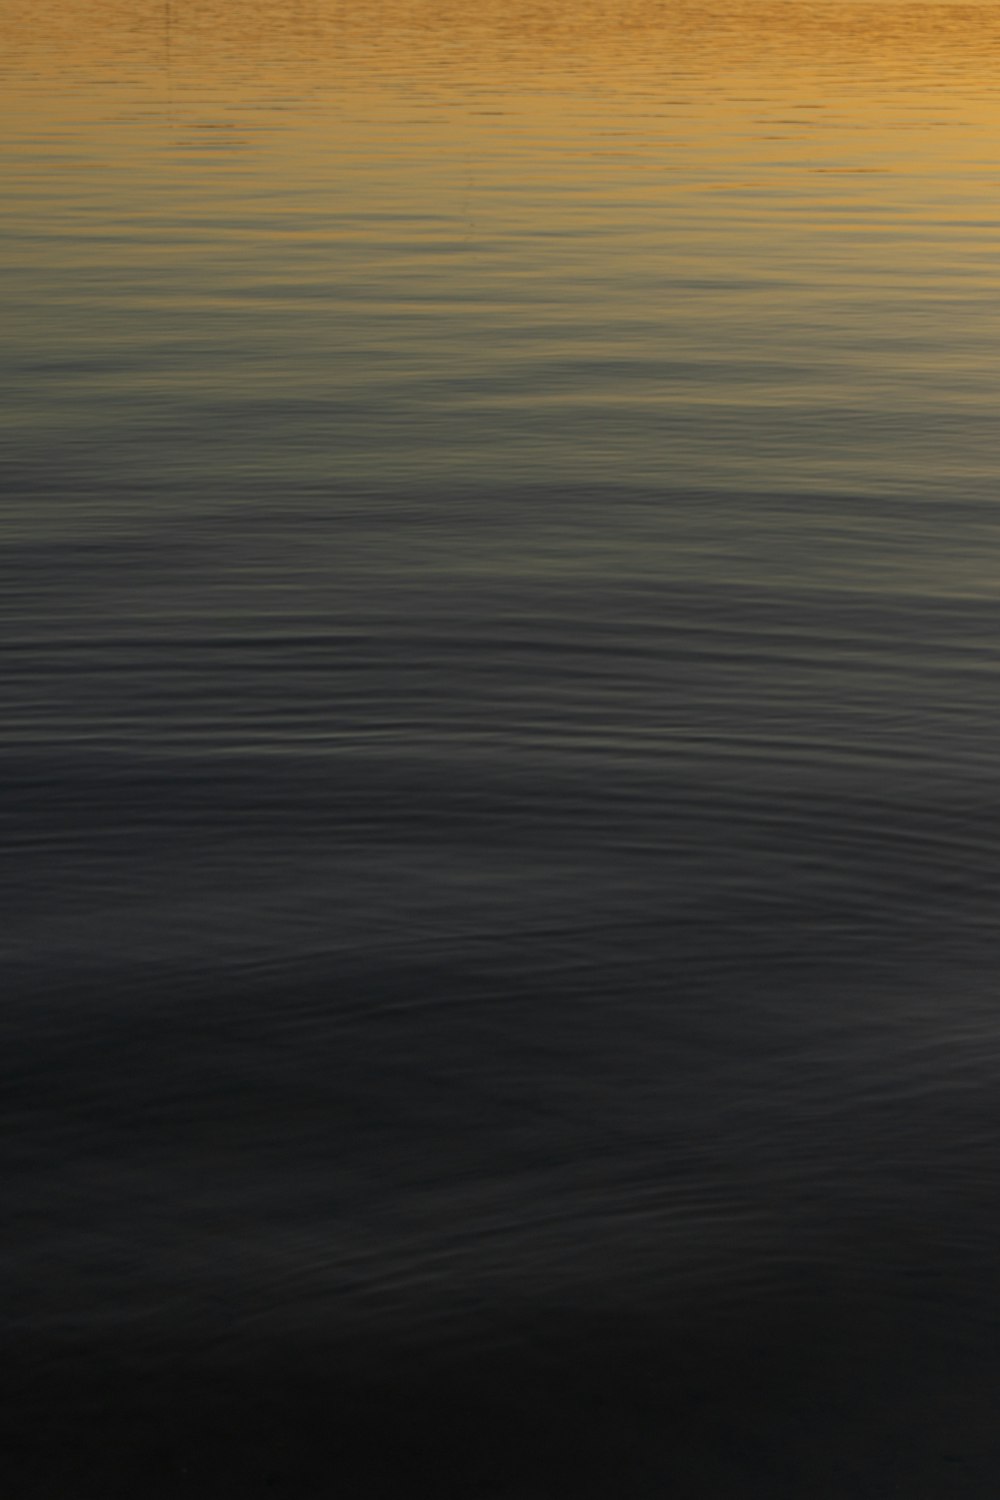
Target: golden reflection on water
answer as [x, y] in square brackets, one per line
[844, 46]
[761, 184]
[541, 92]
[890, 29]
[841, 87]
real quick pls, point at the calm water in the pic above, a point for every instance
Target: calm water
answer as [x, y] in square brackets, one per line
[501, 680]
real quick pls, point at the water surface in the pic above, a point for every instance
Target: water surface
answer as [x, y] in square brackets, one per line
[501, 826]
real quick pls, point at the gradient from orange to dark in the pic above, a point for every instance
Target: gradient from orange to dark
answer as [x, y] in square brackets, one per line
[804, 170]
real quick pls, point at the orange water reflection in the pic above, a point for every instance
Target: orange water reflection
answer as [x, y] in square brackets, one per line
[506, 45]
[830, 88]
[805, 189]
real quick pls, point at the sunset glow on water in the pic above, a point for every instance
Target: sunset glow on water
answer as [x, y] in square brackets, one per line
[748, 244]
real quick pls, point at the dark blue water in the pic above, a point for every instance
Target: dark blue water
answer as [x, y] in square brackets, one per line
[501, 828]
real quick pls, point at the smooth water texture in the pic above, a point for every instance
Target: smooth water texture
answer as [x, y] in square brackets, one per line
[501, 824]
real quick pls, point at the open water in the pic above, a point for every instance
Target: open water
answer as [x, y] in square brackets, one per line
[501, 703]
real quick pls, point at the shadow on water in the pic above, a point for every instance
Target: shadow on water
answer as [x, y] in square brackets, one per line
[833, 1399]
[444, 1251]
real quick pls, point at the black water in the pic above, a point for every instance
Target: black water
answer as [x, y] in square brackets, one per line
[560, 981]
[499, 944]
